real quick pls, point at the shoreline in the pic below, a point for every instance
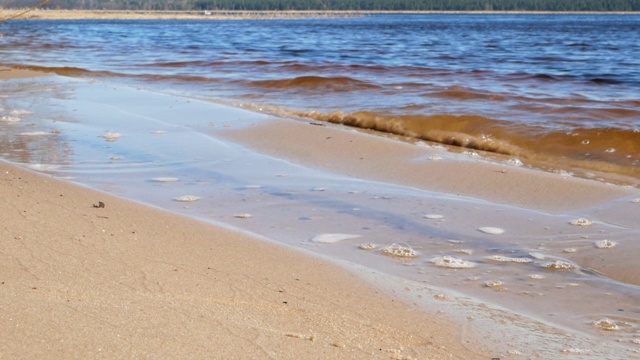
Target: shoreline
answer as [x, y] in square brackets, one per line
[47, 14]
[264, 137]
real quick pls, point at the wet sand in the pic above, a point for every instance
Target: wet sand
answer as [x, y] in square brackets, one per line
[127, 280]
[340, 150]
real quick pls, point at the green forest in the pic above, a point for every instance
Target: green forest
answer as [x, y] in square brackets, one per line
[365, 5]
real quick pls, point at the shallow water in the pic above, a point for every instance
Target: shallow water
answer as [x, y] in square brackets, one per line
[558, 92]
[163, 150]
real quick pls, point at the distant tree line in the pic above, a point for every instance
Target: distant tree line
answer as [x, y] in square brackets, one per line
[367, 5]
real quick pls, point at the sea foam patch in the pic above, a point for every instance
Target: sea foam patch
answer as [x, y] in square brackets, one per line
[400, 250]
[433, 216]
[605, 244]
[10, 119]
[452, 262]
[332, 238]
[504, 259]
[111, 136]
[581, 222]
[165, 179]
[34, 133]
[491, 230]
[187, 198]
[557, 265]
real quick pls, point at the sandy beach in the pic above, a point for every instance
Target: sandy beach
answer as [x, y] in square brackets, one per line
[130, 280]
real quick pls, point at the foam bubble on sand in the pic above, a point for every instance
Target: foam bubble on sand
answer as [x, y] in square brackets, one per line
[435, 157]
[605, 244]
[455, 241]
[187, 198]
[253, 186]
[558, 265]
[165, 179]
[570, 250]
[332, 238]
[10, 119]
[515, 162]
[452, 262]
[319, 189]
[636, 200]
[34, 133]
[500, 258]
[158, 132]
[400, 250]
[536, 276]
[243, 216]
[606, 324]
[433, 216]
[464, 251]
[574, 351]
[537, 255]
[111, 136]
[491, 230]
[367, 246]
[581, 222]
[493, 283]
[20, 112]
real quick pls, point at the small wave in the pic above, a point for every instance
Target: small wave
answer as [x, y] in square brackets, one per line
[68, 71]
[461, 131]
[316, 82]
[605, 81]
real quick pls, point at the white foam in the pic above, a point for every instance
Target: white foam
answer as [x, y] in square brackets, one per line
[34, 133]
[400, 250]
[636, 200]
[20, 112]
[158, 132]
[332, 238]
[537, 255]
[570, 250]
[581, 222]
[433, 216]
[10, 119]
[493, 283]
[368, 246]
[605, 244]
[464, 251]
[515, 162]
[491, 230]
[253, 186]
[165, 179]
[500, 258]
[536, 276]
[435, 157]
[243, 216]
[606, 324]
[319, 189]
[452, 262]
[187, 198]
[558, 265]
[111, 136]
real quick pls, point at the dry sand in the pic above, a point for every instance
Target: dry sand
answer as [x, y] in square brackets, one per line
[130, 281]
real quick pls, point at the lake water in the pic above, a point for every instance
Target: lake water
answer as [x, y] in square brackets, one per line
[561, 93]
